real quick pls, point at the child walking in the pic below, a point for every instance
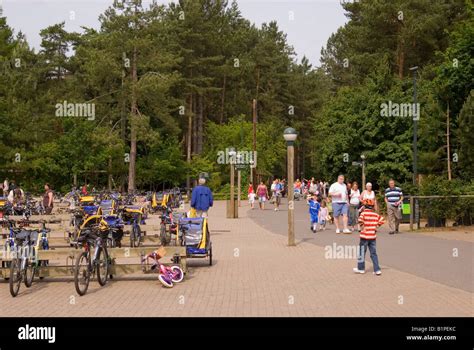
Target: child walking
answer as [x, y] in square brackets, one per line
[314, 207]
[369, 220]
[323, 215]
[251, 198]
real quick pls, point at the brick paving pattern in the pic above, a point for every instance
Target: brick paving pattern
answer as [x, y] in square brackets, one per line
[255, 274]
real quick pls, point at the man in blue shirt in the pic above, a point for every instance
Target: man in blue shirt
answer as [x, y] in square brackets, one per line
[201, 198]
[394, 200]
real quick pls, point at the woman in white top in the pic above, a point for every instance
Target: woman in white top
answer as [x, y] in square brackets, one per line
[369, 194]
[354, 201]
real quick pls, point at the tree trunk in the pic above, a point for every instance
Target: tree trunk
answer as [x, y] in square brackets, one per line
[200, 124]
[194, 128]
[223, 99]
[123, 112]
[400, 51]
[133, 127]
[257, 88]
[189, 138]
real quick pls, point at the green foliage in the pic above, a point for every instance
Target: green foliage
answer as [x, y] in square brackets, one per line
[201, 61]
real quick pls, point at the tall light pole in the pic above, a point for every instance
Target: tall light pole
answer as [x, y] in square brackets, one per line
[290, 136]
[239, 190]
[362, 156]
[414, 209]
[232, 155]
[415, 130]
[251, 173]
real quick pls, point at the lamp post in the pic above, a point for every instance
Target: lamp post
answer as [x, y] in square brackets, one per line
[414, 209]
[290, 136]
[251, 173]
[239, 190]
[415, 130]
[362, 156]
[232, 154]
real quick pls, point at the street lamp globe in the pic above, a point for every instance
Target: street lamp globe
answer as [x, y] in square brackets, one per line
[290, 135]
[362, 156]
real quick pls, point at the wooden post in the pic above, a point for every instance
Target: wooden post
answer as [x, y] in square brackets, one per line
[412, 212]
[291, 216]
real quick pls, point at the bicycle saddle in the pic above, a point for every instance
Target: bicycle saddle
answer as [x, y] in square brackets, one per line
[86, 235]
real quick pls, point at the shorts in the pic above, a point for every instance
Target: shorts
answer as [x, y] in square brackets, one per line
[262, 199]
[340, 209]
[251, 201]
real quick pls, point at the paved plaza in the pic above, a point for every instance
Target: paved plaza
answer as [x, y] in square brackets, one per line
[255, 273]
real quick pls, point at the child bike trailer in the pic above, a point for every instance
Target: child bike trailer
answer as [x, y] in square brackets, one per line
[196, 238]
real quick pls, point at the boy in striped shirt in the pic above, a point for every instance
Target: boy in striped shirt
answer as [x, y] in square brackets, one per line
[369, 221]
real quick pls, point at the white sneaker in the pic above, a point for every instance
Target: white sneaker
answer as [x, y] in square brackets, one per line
[275, 209]
[356, 270]
[338, 231]
[378, 273]
[346, 230]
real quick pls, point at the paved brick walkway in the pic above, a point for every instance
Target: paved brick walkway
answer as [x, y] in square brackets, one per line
[255, 274]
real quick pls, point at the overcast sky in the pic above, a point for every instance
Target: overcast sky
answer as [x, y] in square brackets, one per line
[308, 23]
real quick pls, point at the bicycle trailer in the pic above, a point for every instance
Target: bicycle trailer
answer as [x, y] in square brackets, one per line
[196, 238]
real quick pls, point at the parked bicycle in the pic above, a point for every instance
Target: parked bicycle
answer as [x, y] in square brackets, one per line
[94, 260]
[22, 268]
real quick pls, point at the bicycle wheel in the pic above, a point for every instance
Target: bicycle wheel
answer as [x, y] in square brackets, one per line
[15, 276]
[102, 266]
[132, 238]
[82, 273]
[165, 281]
[178, 274]
[135, 236]
[30, 270]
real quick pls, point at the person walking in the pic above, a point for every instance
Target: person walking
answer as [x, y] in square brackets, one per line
[262, 194]
[201, 198]
[369, 194]
[251, 197]
[369, 220]
[313, 187]
[314, 207]
[354, 204]
[5, 188]
[393, 199]
[48, 199]
[250, 189]
[338, 193]
[277, 189]
[323, 215]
